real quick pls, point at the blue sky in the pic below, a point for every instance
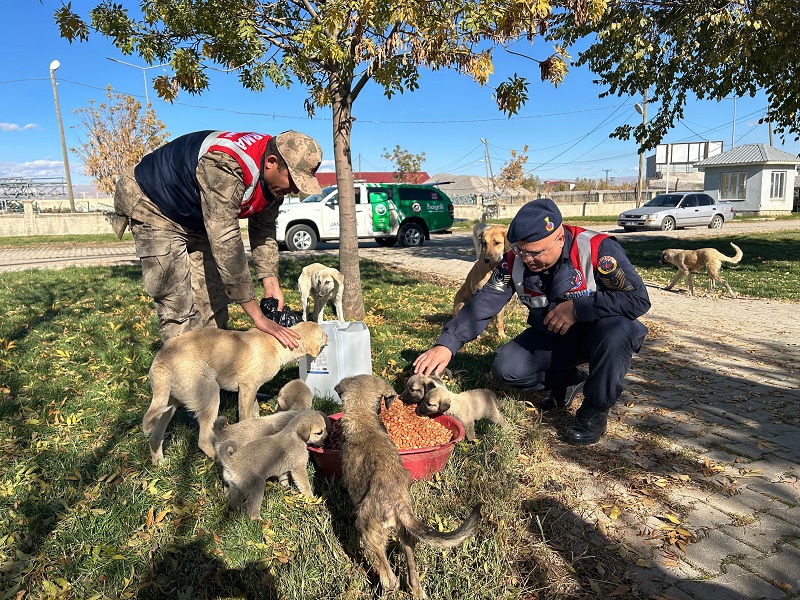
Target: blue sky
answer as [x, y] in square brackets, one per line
[565, 128]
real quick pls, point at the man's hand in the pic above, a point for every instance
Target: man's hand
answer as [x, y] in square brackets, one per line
[284, 335]
[561, 318]
[433, 361]
[272, 289]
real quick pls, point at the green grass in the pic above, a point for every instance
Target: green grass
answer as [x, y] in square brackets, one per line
[84, 515]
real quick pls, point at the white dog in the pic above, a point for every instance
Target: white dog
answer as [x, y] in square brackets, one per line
[323, 284]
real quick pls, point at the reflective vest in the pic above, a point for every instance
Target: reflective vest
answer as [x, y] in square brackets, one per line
[248, 149]
[583, 257]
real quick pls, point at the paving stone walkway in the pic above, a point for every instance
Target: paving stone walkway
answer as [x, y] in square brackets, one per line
[707, 432]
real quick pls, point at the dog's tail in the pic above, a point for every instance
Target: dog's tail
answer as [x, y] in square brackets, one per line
[441, 539]
[736, 257]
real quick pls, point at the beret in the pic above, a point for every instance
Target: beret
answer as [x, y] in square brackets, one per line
[535, 221]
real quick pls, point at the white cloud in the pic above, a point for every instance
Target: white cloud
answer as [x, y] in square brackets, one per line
[46, 168]
[15, 127]
[327, 166]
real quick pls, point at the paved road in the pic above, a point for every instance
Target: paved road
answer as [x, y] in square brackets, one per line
[707, 432]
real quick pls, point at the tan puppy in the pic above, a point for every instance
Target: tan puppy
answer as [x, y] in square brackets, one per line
[493, 247]
[295, 395]
[322, 284]
[246, 468]
[419, 385]
[467, 407]
[379, 487]
[191, 369]
[692, 261]
[250, 430]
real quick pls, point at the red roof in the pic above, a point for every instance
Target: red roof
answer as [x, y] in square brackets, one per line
[329, 178]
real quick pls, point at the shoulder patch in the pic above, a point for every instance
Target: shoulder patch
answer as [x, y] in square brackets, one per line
[606, 264]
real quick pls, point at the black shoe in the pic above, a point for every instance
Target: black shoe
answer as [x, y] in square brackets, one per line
[589, 426]
[562, 397]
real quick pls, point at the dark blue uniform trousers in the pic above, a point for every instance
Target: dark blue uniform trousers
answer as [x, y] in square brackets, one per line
[536, 360]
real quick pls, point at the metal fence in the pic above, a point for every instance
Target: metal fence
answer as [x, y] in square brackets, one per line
[32, 187]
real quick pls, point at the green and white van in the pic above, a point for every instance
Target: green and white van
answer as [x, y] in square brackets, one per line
[388, 212]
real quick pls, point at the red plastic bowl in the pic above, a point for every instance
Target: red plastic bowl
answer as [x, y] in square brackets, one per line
[419, 462]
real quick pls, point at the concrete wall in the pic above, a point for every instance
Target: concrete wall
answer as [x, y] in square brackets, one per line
[32, 223]
[568, 209]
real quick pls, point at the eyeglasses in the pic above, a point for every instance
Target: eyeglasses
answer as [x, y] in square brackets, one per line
[523, 254]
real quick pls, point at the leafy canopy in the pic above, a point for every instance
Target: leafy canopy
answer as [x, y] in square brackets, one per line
[406, 164]
[710, 48]
[282, 42]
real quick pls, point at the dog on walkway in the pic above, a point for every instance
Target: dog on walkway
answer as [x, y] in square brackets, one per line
[323, 284]
[190, 370]
[379, 486]
[693, 261]
[493, 244]
[246, 468]
[467, 407]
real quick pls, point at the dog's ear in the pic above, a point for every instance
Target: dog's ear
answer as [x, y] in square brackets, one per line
[444, 405]
[304, 429]
[387, 399]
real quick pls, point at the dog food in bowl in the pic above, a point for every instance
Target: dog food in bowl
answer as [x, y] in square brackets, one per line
[421, 462]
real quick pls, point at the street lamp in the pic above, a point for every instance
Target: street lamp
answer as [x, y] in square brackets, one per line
[53, 66]
[642, 110]
[144, 75]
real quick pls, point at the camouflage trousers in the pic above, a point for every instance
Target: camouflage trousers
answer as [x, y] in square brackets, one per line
[178, 268]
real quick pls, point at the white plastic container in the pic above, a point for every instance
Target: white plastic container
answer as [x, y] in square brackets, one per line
[348, 352]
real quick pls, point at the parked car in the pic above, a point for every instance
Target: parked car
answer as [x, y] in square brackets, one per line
[388, 212]
[678, 209]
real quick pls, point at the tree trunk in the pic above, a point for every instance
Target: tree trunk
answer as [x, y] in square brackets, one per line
[353, 300]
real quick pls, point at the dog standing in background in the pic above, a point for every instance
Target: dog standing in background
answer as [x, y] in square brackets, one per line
[493, 244]
[692, 261]
[323, 284]
[379, 486]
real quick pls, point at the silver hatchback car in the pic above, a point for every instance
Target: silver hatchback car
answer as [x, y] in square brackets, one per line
[677, 209]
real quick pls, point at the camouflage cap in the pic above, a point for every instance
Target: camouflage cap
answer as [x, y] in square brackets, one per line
[303, 157]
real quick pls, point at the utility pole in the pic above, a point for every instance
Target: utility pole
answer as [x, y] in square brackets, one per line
[488, 161]
[53, 67]
[642, 110]
[606, 171]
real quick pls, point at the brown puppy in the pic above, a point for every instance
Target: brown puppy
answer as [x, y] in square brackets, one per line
[323, 284]
[692, 261]
[295, 395]
[467, 407]
[246, 468]
[191, 369]
[493, 247]
[379, 486]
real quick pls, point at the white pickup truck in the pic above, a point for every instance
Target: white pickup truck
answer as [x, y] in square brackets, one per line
[389, 213]
[678, 209]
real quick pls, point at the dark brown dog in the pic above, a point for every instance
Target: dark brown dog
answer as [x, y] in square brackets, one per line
[379, 485]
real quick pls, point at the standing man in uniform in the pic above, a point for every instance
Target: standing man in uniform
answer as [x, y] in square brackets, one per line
[584, 299]
[183, 202]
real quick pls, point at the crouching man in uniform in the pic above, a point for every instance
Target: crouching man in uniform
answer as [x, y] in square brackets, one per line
[584, 298]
